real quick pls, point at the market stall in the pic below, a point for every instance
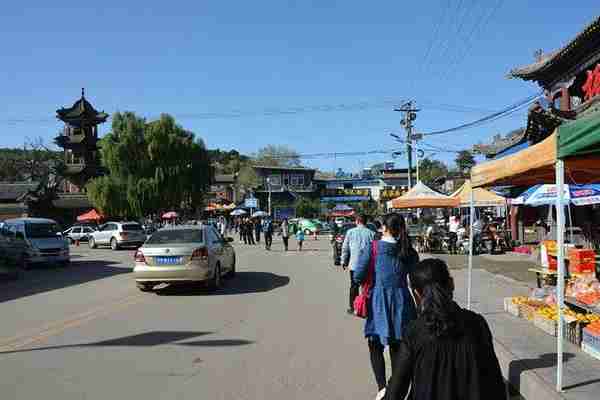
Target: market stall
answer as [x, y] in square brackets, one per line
[422, 196]
[481, 197]
[572, 151]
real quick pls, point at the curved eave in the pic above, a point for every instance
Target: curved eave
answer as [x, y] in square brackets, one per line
[562, 61]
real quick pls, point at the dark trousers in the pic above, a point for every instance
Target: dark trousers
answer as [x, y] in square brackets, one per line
[268, 241]
[257, 236]
[286, 241]
[244, 236]
[354, 288]
[378, 361]
[250, 237]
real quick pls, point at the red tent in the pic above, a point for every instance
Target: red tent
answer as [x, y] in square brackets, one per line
[91, 215]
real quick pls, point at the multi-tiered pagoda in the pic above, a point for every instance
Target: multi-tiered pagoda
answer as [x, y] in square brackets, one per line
[79, 140]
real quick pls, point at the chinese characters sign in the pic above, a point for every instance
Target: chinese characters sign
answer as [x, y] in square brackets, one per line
[591, 88]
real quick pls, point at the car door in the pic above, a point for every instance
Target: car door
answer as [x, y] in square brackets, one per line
[86, 232]
[104, 234]
[216, 247]
[76, 233]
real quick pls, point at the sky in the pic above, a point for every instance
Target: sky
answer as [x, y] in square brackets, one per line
[318, 76]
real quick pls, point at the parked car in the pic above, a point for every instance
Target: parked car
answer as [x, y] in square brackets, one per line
[309, 226]
[184, 253]
[118, 235]
[78, 232]
[29, 241]
[338, 241]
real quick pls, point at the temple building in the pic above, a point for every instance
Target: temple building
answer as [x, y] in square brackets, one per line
[570, 79]
[79, 139]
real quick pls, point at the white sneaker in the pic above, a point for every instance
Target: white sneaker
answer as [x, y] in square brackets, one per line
[380, 395]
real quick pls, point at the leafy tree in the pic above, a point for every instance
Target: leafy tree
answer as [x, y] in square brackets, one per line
[306, 208]
[277, 156]
[152, 166]
[430, 170]
[465, 161]
[369, 208]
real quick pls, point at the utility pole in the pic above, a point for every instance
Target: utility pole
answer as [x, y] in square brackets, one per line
[410, 114]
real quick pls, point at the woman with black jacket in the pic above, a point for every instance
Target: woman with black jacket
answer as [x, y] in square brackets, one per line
[447, 353]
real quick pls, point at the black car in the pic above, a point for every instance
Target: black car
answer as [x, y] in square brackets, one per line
[337, 240]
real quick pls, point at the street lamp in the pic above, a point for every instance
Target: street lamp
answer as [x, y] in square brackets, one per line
[269, 188]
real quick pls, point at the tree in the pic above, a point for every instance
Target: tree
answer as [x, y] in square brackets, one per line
[465, 161]
[277, 156]
[369, 208]
[430, 170]
[306, 208]
[152, 166]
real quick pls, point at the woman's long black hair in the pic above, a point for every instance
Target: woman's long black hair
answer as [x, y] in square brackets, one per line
[397, 227]
[432, 280]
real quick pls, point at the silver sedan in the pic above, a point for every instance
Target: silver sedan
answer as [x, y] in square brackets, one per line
[186, 253]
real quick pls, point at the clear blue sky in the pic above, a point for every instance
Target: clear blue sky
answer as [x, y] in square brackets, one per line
[193, 58]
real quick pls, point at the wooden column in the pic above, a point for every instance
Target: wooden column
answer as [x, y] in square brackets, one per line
[565, 99]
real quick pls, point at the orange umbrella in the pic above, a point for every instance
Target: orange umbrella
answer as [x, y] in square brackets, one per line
[91, 215]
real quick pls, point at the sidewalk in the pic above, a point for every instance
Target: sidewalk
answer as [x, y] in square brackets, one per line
[526, 354]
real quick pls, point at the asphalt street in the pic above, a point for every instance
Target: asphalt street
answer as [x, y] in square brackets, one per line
[277, 330]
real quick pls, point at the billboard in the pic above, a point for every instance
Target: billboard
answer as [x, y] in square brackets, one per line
[251, 202]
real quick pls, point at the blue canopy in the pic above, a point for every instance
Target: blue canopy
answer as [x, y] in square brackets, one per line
[540, 195]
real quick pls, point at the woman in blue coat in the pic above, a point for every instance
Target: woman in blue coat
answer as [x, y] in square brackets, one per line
[390, 305]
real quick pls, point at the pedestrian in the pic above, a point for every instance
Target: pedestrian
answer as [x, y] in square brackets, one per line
[244, 230]
[257, 229]
[268, 233]
[250, 231]
[447, 353]
[390, 306]
[357, 240]
[285, 233]
[300, 238]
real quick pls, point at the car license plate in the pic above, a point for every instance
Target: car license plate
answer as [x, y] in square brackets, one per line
[168, 260]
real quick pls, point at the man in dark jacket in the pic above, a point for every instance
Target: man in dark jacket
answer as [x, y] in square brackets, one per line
[268, 231]
[257, 229]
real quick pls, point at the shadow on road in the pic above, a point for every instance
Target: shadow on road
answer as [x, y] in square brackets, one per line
[243, 283]
[516, 368]
[50, 278]
[147, 339]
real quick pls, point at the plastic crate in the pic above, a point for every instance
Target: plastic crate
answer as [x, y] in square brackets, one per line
[511, 307]
[547, 325]
[591, 339]
[528, 311]
[590, 351]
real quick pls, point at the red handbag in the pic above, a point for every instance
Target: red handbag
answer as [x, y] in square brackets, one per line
[361, 301]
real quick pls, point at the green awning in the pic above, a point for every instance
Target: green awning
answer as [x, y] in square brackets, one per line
[580, 137]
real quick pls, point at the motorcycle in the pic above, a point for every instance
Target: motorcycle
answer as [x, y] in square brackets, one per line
[449, 243]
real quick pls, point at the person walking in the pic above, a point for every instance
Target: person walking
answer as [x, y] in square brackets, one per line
[257, 229]
[244, 230]
[300, 238]
[250, 231]
[285, 233]
[268, 233]
[447, 353]
[357, 241]
[390, 306]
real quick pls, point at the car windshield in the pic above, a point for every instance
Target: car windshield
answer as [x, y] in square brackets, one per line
[39, 231]
[132, 227]
[176, 236]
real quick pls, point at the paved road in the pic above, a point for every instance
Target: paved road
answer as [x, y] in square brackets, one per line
[278, 330]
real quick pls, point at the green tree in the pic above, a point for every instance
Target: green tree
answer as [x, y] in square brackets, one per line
[277, 156]
[152, 167]
[430, 170]
[306, 208]
[369, 208]
[465, 161]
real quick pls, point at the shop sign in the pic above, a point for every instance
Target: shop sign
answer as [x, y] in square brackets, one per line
[591, 88]
[251, 203]
[347, 192]
[284, 212]
[388, 194]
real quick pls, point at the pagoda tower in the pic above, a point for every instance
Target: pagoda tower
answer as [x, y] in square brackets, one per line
[79, 139]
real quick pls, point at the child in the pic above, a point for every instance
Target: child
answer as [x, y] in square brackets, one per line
[300, 238]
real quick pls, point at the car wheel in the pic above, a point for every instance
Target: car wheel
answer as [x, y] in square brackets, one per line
[216, 281]
[144, 287]
[92, 243]
[113, 244]
[232, 271]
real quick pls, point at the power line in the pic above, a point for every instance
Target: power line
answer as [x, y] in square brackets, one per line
[500, 114]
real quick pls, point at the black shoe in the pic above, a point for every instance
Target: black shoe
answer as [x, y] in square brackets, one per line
[350, 311]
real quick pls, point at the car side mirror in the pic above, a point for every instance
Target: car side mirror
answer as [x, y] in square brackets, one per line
[229, 239]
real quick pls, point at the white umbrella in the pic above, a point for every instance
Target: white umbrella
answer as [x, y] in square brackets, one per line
[238, 212]
[260, 214]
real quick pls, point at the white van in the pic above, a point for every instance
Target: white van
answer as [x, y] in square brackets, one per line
[36, 241]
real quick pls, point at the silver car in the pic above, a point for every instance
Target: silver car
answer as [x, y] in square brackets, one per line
[186, 253]
[78, 232]
[117, 235]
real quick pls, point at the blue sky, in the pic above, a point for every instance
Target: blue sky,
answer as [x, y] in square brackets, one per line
[227, 69]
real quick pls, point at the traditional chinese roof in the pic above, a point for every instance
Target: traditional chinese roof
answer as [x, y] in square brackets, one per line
[82, 110]
[582, 50]
[500, 143]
